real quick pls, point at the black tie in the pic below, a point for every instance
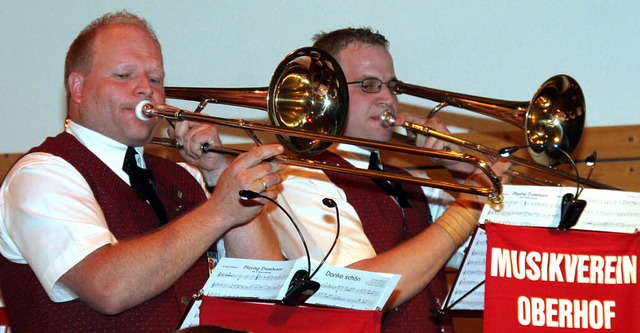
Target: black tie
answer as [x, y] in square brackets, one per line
[143, 184]
[394, 189]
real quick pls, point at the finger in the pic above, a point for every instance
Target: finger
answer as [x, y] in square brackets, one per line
[501, 166]
[199, 137]
[171, 131]
[264, 183]
[270, 179]
[178, 132]
[180, 129]
[411, 118]
[258, 154]
[505, 179]
[438, 125]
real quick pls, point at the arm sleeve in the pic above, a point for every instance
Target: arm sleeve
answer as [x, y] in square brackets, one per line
[50, 219]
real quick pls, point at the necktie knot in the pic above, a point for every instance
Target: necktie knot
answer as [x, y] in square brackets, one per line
[130, 163]
[394, 189]
[374, 161]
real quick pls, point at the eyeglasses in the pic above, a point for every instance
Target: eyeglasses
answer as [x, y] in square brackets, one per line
[373, 85]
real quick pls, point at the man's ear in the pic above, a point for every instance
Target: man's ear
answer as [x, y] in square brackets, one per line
[74, 82]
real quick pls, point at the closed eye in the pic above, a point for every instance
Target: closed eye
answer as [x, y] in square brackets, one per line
[123, 76]
[156, 81]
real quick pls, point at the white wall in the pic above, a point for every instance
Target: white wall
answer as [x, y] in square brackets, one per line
[500, 49]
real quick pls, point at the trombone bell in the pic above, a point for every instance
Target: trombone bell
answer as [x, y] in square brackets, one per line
[308, 92]
[552, 120]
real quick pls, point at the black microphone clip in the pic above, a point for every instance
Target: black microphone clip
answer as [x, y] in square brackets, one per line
[301, 286]
[572, 207]
[300, 289]
[570, 211]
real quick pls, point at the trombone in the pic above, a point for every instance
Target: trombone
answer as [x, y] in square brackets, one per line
[145, 111]
[552, 122]
[307, 102]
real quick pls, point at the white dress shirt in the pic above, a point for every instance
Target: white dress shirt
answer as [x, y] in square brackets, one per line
[301, 195]
[45, 198]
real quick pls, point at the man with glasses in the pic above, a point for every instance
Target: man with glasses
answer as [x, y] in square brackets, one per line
[402, 229]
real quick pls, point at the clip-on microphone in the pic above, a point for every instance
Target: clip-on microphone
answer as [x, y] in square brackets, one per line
[571, 207]
[301, 286]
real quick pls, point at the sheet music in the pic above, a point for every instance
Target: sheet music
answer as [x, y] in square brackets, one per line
[349, 288]
[269, 280]
[192, 318]
[468, 291]
[539, 206]
[245, 278]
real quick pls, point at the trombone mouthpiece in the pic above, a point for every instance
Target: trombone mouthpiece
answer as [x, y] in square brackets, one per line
[387, 119]
[141, 107]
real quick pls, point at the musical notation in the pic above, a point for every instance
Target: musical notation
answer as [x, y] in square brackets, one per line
[263, 280]
[539, 206]
[468, 290]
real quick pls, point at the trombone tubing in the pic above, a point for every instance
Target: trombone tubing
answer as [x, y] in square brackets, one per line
[494, 194]
[427, 131]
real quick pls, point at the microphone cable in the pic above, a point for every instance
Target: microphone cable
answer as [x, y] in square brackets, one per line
[330, 203]
[571, 207]
[248, 195]
[590, 161]
[301, 286]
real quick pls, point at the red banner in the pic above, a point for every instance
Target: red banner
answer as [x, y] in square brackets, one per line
[274, 318]
[548, 280]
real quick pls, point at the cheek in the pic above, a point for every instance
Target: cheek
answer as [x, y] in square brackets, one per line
[356, 117]
[158, 96]
[358, 106]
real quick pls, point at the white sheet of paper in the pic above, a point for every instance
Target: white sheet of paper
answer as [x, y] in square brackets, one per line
[349, 288]
[192, 318]
[245, 278]
[269, 280]
[539, 206]
[467, 292]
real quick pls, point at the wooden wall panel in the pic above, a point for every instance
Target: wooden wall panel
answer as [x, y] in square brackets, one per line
[618, 149]
[6, 161]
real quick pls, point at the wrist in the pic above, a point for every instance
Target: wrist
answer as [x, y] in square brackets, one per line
[459, 220]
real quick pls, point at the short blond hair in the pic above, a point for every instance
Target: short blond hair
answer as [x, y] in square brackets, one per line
[80, 54]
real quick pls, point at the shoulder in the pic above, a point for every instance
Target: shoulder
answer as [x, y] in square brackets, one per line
[39, 161]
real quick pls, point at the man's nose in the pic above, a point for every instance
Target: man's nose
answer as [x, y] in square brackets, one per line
[143, 86]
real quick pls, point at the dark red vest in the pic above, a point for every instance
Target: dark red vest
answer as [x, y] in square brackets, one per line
[386, 228]
[29, 308]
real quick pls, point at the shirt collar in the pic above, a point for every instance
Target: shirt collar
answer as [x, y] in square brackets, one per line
[356, 155]
[109, 151]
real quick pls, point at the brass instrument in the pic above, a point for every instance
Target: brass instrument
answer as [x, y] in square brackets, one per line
[552, 122]
[308, 85]
[145, 110]
[307, 102]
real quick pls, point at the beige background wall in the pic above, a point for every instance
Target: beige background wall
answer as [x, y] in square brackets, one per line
[500, 48]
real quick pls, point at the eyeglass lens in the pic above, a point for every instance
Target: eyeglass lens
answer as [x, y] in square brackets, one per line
[374, 85]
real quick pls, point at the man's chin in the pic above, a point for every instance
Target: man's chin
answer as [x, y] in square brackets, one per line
[382, 134]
